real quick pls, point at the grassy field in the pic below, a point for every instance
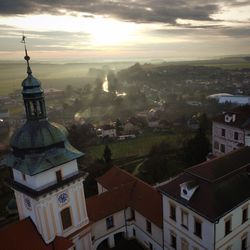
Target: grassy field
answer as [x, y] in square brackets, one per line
[138, 146]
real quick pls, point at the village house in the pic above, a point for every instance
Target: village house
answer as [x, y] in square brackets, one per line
[207, 206]
[231, 130]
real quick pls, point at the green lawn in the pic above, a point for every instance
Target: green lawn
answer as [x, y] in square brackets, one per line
[138, 146]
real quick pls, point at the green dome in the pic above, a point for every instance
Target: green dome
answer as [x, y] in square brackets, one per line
[38, 134]
[31, 85]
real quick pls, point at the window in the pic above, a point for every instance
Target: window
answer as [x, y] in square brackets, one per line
[216, 145]
[148, 225]
[198, 228]
[134, 232]
[173, 241]
[244, 215]
[184, 219]
[223, 132]
[172, 212]
[184, 244]
[59, 175]
[109, 222]
[24, 176]
[236, 136]
[227, 226]
[132, 214]
[150, 246]
[244, 243]
[222, 148]
[66, 218]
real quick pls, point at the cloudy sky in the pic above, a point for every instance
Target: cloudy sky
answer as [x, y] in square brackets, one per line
[125, 29]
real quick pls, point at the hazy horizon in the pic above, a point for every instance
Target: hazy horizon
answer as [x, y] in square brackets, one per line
[108, 30]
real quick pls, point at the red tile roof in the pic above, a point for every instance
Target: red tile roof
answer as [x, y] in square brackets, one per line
[24, 236]
[242, 117]
[125, 190]
[114, 178]
[223, 184]
[108, 203]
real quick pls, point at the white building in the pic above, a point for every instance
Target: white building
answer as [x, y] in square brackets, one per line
[125, 207]
[231, 130]
[106, 131]
[207, 206]
[228, 98]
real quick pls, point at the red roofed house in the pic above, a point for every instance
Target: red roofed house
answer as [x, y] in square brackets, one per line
[207, 206]
[125, 207]
[231, 130]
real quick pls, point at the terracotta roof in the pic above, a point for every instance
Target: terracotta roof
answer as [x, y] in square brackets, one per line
[223, 184]
[114, 178]
[24, 236]
[108, 203]
[242, 117]
[107, 127]
[125, 190]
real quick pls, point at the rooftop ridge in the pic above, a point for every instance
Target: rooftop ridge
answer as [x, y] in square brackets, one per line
[135, 177]
[191, 170]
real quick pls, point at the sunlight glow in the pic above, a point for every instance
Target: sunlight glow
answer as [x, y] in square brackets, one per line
[237, 13]
[102, 31]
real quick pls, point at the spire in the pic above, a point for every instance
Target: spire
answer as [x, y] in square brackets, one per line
[26, 58]
[33, 95]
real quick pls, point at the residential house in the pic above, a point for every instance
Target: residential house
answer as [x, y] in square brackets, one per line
[231, 130]
[125, 207]
[106, 130]
[207, 206]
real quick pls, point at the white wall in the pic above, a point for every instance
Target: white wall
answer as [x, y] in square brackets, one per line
[100, 232]
[155, 237]
[45, 210]
[46, 178]
[228, 140]
[99, 229]
[235, 99]
[238, 229]
[171, 226]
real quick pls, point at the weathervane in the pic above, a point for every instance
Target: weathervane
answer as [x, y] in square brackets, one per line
[26, 58]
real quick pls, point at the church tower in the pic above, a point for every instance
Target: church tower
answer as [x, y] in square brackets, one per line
[45, 176]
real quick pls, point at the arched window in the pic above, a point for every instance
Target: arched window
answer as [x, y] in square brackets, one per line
[66, 218]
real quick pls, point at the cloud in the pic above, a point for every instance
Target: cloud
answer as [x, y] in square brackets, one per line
[140, 11]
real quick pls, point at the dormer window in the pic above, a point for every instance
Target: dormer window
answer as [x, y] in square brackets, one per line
[230, 118]
[188, 189]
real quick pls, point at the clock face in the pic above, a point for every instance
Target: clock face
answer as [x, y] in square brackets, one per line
[63, 198]
[27, 203]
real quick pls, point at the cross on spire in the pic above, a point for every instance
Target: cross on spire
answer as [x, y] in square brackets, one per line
[26, 58]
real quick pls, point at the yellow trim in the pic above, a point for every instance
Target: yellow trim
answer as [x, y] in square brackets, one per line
[77, 206]
[46, 222]
[53, 218]
[39, 215]
[19, 205]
